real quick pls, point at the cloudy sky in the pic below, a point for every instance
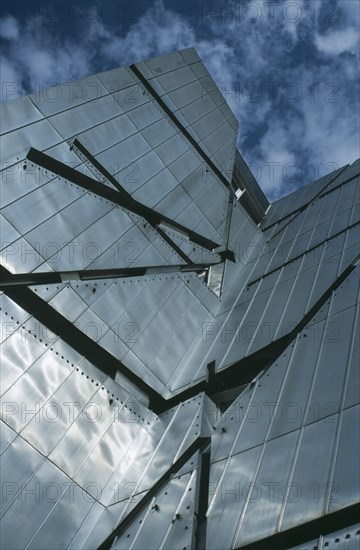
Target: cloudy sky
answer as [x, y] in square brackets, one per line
[289, 69]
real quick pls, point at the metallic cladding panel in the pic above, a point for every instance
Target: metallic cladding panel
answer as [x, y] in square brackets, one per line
[265, 497]
[248, 182]
[17, 113]
[341, 539]
[181, 84]
[325, 395]
[290, 203]
[317, 441]
[80, 118]
[296, 238]
[106, 135]
[344, 488]
[16, 182]
[40, 205]
[347, 174]
[271, 314]
[170, 526]
[7, 435]
[98, 522]
[16, 144]
[229, 481]
[283, 397]
[93, 433]
[142, 169]
[60, 98]
[196, 253]
[39, 472]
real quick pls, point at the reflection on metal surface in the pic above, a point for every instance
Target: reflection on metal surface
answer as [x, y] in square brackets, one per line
[175, 351]
[216, 273]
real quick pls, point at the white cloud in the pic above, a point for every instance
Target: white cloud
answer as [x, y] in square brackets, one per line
[11, 85]
[157, 32]
[9, 28]
[338, 41]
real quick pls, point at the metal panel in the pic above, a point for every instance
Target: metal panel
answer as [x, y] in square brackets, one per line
[68, 303]
[325, 397]
[106, 135]
[54, 235]
[164, 63]
[11, 315]
[77, 119]
[308, 493]
[341, 539]
[208, 127]
[126, 152]
[345, 481]
[16, 182]
[347, 174]
[100, 520]
[347, 196]
[62, 521]
[137, 173]
[178, 341]
[69, 401]
[266, 494]
[18, 462]
[14, 362]
[145, 459]
[172, 149]
[68, 461]
[15, 145]
[34, 388]
[59, 98]
[296, 308]
[185, 165]
[186, 94]
[7, 435]
[175, 79]
[156, 188]
[173, 203]
[353, 382]
[196, 253]
[173, 518]
[162, 323]
[17, 113]
[21, 257]
[45, 493]
[297, 383]
[198, 109]
[40, 205]
[8, 233]
[271, 317]
[159, 132]
[288, 204]
[229, 481]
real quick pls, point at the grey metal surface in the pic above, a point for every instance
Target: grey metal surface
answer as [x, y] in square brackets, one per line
[293, 415]
[169, 526]
[284, 207]
[342, 539]
[60, 405]
[189, 91]
[251, 197]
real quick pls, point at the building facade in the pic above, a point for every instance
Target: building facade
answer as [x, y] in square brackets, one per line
[179, 358]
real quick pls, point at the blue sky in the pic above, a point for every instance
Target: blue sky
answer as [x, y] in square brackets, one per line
[289, 69]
